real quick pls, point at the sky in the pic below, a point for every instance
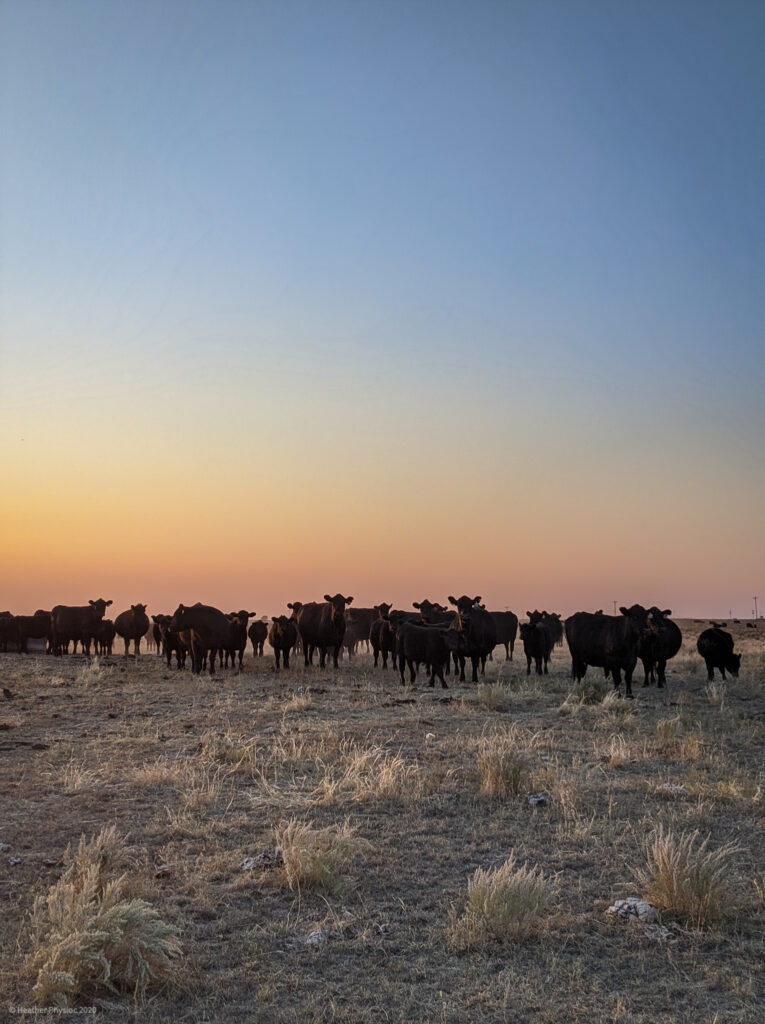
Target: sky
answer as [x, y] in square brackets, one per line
[395, 299]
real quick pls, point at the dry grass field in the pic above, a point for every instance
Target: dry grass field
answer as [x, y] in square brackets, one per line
[317, 846]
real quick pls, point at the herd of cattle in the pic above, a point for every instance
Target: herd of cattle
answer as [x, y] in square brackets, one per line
[433, 635]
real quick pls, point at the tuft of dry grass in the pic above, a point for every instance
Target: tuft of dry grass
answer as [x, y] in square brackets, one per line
[494, 696]
[592, 689]
[370, 773]
[502, 763]
[504, 904]
[317, 858]
[684, 877]
[90, 938]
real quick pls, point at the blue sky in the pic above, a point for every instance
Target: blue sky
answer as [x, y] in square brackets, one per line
[499, 226]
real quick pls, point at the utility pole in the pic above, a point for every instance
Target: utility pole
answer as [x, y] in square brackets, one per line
[614, 607]
[755, 607]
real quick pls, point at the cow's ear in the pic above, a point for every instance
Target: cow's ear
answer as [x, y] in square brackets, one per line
[349, 600]
[274, 618]
[477, 600]
[624, 611]
[528, 614]
[415, 604]
[452, 600]
[251, 614]
[290, 605]
[327, 597]
[667, 612]
[108, 603]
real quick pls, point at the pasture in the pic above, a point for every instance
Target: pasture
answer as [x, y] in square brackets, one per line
[221, 786]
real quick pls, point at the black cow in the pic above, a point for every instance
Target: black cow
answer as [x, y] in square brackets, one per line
[32, 627]
[658, 645]
[716, 648]
[208, 631]
[432, 645]
[258, 634]
[608, 641]
[480, 632]
[238, 636]
[132, 625]
[103, 638]
[322, 626]
[76, 624]
[171, 641]
[506, 624]
[282, 636]
[539, 637]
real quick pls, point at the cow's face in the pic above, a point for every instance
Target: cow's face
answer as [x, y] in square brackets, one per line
[295, 607]
[383, 610]
[338, 603]
[99, 607]
[428, 609]
[140, 609]
[638, 617]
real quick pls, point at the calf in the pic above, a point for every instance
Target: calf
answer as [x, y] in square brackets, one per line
[282, 636]
[432, 645]
[716, 648]
[258, 634]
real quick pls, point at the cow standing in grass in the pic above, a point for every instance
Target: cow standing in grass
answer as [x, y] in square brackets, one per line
[480, 632]
[607, 641]
[322, 626]
[76, 624]
[282, 635]
[132, 625]
[716, 648]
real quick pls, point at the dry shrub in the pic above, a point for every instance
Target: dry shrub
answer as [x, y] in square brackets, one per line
[668, 729]
[92, 672]
[75, 777]
[685, 878]
[502, 763]
[90, 938]
[503, 904]
[494, 696]
[316, 858]
[371, 773]
[716, 693]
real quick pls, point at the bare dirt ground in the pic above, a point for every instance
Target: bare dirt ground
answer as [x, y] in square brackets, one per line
[199, 773]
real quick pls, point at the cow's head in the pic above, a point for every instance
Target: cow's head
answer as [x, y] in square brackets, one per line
[139, 608]
[99, 607]
[465, 605]
[733, 663]
[337, 605]
[294, 607]
[638, 617]
[383, 610]
[429, 610]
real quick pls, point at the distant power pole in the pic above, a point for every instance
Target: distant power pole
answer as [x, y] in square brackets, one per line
[755, 607]
[614, 607]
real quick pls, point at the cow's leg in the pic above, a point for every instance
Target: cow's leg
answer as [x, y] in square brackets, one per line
[661, 667]
[412, 670]
[528, 665]
[512, 648]
[507, 652]
[474, 659]
[628, 682]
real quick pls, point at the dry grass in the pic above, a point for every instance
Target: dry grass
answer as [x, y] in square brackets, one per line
[502, 763]
[203, 774]
[685, 878]
[504, 904]
[90, 938]
[317, 858]
[494, 696]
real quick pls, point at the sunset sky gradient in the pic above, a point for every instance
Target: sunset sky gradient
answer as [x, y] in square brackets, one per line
[399, 299]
